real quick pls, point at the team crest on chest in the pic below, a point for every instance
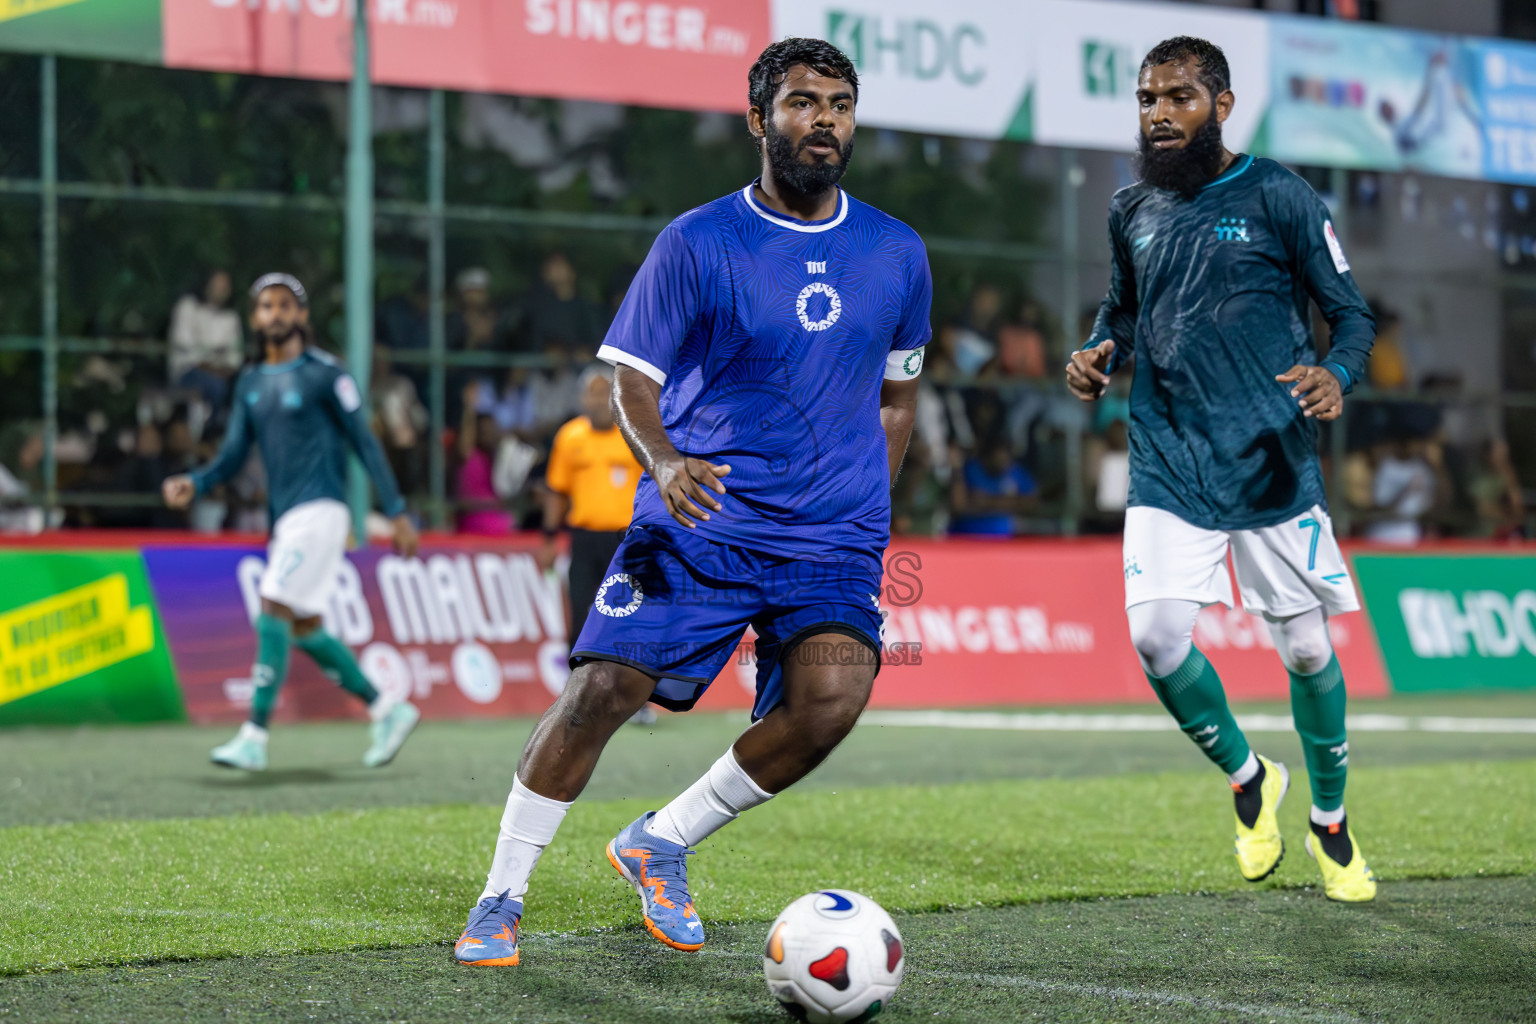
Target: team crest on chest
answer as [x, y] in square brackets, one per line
[834, 307]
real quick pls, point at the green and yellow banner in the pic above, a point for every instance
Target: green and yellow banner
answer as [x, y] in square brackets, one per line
[102, 29]
[80, 641]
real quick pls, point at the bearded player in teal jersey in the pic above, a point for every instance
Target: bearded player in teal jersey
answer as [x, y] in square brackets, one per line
[303, 411]
[1216, 257]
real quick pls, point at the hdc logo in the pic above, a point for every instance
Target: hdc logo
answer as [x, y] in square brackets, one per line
[1109, 69]
[918, 48]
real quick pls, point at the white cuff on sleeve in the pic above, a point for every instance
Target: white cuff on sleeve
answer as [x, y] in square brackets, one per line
[618, 357]
[903, 363]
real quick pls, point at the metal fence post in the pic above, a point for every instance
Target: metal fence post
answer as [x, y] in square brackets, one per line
[436, 317]
[359, 251]
[1071, 252]
[49, 196]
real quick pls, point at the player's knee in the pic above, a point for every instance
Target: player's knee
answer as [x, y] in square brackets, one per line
[1161, 651]
[1308, 654]
[824, 716]
[1161, 632]
[600, 692]
[1302, 641]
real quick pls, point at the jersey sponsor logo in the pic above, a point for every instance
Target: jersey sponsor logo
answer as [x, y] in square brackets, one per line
[1232, 229]
[803, 302]
[346, 393]
[618, 579]
[292, 400]
[1334, 248]
[815, 266]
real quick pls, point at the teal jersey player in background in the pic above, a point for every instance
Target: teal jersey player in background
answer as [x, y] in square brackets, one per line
[1216, 257]
[303, 411]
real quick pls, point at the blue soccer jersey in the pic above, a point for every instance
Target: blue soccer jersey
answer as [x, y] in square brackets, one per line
[770, 338]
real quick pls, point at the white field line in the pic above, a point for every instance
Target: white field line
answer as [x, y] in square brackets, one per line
[1022, 721]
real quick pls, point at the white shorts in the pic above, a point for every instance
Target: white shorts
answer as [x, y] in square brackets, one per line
[1282, 570]
[308, 543]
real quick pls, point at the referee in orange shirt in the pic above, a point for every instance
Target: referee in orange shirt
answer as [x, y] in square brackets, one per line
[591, 483]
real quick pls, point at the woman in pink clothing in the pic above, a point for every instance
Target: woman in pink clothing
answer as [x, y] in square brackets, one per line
[474, 483]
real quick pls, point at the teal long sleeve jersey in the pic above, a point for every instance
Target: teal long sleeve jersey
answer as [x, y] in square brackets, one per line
[1210, 298]
[303, 415]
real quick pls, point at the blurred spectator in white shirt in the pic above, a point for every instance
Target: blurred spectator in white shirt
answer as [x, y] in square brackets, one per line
[205, 340]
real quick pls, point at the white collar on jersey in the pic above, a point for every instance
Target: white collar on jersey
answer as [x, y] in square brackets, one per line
[798, 225]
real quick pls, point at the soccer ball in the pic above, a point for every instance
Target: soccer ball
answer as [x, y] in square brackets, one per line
[833, 956]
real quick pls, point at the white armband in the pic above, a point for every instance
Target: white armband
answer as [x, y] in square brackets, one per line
[903, 363]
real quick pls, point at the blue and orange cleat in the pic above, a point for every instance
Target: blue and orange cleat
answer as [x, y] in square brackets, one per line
[659, 872]
[490, 937]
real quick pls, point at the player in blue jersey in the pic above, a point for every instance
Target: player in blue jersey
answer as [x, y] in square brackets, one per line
[766, 360]
[303, 412]
[1216, 260]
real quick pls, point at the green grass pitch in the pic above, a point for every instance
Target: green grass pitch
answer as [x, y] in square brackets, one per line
[1036, 876]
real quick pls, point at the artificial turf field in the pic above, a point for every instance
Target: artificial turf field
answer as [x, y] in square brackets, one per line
[1035, 875]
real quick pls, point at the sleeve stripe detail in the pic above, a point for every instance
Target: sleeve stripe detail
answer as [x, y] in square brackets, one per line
[618, 357]
[1348, 381]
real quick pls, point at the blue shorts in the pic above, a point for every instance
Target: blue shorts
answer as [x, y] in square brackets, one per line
[675, 606]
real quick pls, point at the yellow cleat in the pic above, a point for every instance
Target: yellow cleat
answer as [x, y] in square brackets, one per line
[1260, 849]
[1348, 883]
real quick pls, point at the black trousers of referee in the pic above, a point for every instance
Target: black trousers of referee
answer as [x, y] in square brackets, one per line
[591, 551]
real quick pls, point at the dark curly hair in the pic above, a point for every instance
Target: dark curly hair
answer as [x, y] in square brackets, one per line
[773, 65]
[1213, 74]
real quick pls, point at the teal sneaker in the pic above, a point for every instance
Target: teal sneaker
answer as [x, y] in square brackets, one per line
[389, 733]
[247, 751]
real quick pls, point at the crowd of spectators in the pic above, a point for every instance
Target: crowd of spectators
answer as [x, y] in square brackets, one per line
[998, 448]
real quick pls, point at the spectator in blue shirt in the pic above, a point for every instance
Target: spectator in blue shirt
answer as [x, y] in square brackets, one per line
[991, 491]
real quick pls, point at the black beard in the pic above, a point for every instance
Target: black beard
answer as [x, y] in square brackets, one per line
[265, 338]
[811, 180]
[1185, 170]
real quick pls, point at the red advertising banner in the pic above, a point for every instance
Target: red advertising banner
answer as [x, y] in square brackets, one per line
[1043, 622]
[477, 630]
[690, 55]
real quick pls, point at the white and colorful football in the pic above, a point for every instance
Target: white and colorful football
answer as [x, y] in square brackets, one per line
[833, 956]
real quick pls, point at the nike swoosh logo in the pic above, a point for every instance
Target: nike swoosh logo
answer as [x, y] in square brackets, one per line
[1142, 242]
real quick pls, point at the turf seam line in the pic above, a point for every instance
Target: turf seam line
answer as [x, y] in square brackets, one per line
[1135, 995]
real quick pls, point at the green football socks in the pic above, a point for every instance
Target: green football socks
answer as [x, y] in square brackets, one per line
[1193, 695]
[336, 660]
[272, 638]
[1317, 705]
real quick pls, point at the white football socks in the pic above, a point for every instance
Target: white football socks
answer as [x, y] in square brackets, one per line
[527, 826]
[1245, 774]
[709, 804]
[1322, 817]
